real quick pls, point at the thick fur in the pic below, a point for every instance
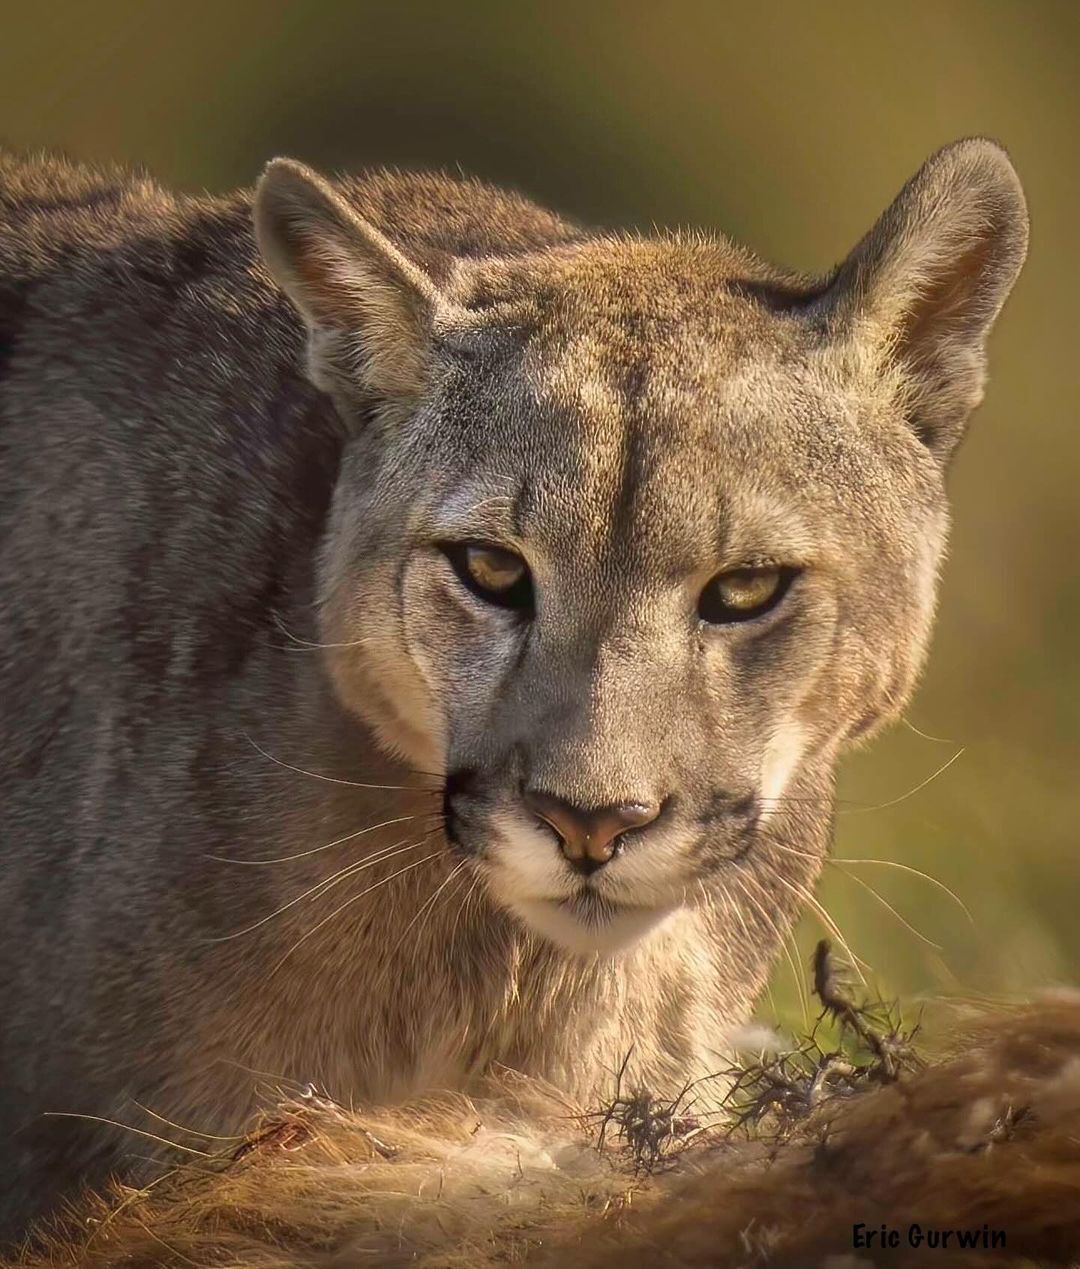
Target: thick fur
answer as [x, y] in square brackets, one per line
[990, 1137]
[264, 755]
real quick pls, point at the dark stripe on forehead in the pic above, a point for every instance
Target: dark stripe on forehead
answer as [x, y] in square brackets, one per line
[632, 369]
[631, 475]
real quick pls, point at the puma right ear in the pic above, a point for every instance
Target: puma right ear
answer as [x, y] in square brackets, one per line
[370, 311]
[928, 281]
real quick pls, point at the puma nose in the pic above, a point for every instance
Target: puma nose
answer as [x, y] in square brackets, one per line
[588, 838]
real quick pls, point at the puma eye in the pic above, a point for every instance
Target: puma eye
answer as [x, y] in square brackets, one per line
[743, 593]
[498, 577]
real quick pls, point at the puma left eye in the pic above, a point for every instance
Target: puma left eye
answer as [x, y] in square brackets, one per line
[494, 575]
[743, 593]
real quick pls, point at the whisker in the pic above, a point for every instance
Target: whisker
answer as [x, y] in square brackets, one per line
[359, 865]
[839, 862]
[304, 854]
[802, 893]
[427, 907]
[306, 644]
[928, 877]
[463, 907]
[303, 645]
[734, 906]
[817, 856]
[938, 740]
[279, 1080]
[355, 899]
[800, 984]
[886, 904]
[195, 1132]
[861, 810]
[139, 1132]
[352, 784]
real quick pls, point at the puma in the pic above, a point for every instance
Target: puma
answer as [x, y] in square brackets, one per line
[430, 627]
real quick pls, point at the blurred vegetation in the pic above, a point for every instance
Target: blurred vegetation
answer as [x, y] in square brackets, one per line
[789, 125]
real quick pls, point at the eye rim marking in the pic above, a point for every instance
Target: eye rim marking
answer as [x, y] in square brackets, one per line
[517, 597]
[728, 615]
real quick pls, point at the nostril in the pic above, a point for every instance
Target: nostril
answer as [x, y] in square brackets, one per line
[630, 815]
[557, 815]
[589, 838]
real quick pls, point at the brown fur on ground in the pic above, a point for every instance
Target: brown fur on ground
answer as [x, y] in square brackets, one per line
[988, 1136]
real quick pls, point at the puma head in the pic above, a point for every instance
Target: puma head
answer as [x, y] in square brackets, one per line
[634, 534]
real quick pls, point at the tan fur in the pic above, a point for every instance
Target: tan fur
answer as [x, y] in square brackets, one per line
[513, 1178]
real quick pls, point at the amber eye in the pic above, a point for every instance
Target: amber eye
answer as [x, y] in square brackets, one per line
[499, 577]
[743, 593]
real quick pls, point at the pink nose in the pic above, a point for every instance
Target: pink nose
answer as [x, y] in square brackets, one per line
[588, 838]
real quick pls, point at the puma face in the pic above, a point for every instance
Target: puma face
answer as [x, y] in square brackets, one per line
[633, 536]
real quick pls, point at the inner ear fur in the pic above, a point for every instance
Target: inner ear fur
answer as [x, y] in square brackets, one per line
[928, 281]
[369, 309]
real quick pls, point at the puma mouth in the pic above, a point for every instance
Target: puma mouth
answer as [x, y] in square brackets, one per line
[586, 923]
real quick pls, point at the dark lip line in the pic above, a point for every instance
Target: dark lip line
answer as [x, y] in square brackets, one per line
[596, 901]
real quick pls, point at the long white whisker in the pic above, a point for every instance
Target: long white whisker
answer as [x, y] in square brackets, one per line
[338, 841]
[863, 810]
[800, 892]
[355, 899]
[327, 883]
[138, 1132]
[928, 877]
[735, 907]
[308, 644]
[427, 906]
[195, 1132]
[800, 985]
[352, 784]
[462, 907]
[840, 862]
[938, 740]
[886, 904]
[303, 646]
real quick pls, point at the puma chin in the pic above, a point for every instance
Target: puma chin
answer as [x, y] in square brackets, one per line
[648, 880]
[587, 922]
[525, 873]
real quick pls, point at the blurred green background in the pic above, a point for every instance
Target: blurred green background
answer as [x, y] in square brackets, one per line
[790, 125]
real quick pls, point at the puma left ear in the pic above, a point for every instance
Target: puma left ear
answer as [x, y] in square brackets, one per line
[927, 282]
[370, 311]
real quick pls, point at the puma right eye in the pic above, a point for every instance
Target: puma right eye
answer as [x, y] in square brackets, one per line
[743, 593]
[497, 576]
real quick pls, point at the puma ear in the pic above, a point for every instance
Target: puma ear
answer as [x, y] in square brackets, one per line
[927, 282]
[370, 311]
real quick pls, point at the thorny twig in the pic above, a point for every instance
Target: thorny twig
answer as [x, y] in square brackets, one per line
[786, 1087]
[779, 1090]
[653, 1129]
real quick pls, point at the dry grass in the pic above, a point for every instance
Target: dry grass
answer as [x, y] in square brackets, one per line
[819, 1137]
